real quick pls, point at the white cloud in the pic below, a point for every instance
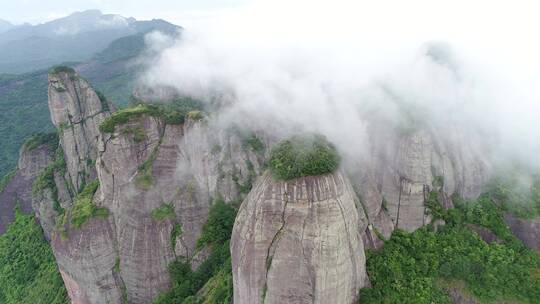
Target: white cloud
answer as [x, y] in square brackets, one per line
[318, 65]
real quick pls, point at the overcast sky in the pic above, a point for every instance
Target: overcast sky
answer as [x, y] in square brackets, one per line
[176, 11]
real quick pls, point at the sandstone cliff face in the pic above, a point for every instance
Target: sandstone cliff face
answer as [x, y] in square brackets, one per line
[87, 260]
[187, 172]
[299, 242]
[125, 257]
[77, 110]
[19, 188]
[403, 170]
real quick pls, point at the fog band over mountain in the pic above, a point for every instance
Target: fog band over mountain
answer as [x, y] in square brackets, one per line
[321, 66]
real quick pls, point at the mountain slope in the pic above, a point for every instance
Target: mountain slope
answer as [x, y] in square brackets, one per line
[76, 37]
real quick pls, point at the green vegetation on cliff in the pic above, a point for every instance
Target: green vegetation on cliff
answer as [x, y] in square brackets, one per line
[138, 133]
[254, 142]
[144, 178]
[218, 227]
[28, 271]
[211, 282]
[61, 69]
[50, 139]
[518, 194]
[174, 112]
[45, 178]
[83, 207]
[415, 267]
[124, 115]
[165, 211]
[303, 156]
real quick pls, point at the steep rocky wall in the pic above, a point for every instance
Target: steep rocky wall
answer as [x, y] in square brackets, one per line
[77, 110]
[187, 172]
[87, 260]
[403, 168]
[19, 188]
[143, 166]
[299, 242]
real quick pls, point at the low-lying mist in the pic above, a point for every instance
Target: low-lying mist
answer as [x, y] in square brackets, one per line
[353, 70]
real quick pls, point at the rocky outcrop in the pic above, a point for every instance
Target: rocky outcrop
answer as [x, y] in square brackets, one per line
[380, 225]
[19, 188]
[404, 167]
[87, 259]
[527, 230]
[144, 165]
[184, 169]
[77, 110]
[299, 242]
[487, 235]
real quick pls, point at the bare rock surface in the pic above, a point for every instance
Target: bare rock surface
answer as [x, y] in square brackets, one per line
[19, 188]
[527, 230]
[404, 167]
[86, 258]
[487, 235]
[77, 110]
[299, 242]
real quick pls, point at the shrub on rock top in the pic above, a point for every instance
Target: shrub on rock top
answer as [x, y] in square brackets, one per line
[305, 155]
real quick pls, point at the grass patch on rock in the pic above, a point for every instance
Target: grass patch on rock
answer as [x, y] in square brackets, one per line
[61, 69]
[144, 178]
[176, 232]
[123, 116]
[137, 133]
[173, 112]
[83, 208]
[165, 211]
[39, 139]
[45, 179]
[305, 155]
[195, 115]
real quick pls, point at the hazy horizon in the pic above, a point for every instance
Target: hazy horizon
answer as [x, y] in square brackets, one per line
[36, 12]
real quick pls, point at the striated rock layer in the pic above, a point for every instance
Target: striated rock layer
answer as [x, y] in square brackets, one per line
[77, 110]
[403, 168]
[144, 165]
[299, 242]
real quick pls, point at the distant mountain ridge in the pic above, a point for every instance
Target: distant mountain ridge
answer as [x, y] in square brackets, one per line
[76, 37]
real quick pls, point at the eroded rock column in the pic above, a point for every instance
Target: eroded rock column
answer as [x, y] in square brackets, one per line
[299, 242]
